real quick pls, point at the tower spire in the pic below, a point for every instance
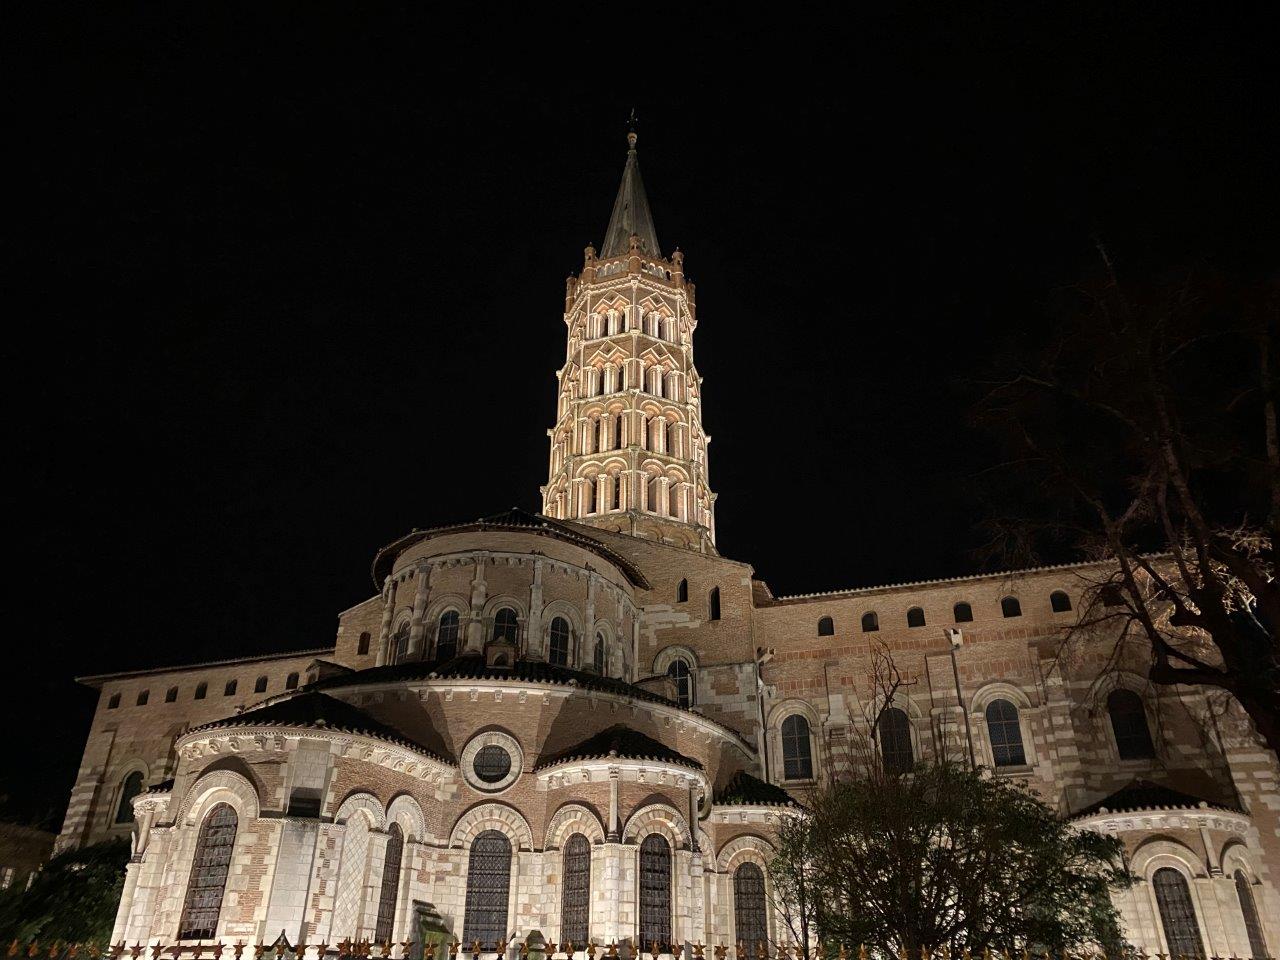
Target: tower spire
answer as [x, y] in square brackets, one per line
[631, 209]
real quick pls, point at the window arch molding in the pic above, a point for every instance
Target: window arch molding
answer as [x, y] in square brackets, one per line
[1238, 866]
[362, 804]
[492, 816]
[744, 848]
[658, 818]
[780, 713]
[220, 786]
[1002, 690]
[667, 654]
[570, 819]
[1124, 680]
[441, 604]
[405, 811]
[494, 604]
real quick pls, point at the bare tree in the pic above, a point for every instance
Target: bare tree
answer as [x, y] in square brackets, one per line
[1144, 433]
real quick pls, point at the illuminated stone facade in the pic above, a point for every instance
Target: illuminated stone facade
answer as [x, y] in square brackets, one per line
[587, 722]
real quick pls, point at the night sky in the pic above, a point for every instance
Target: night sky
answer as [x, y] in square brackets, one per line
[282, 286]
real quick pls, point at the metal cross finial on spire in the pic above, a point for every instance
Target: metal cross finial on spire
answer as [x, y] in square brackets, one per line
[631, 128]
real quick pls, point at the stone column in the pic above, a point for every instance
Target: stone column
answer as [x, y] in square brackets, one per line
[533, 628]
[589, 628]
[418, 624]
[474, 642]
[388, 611]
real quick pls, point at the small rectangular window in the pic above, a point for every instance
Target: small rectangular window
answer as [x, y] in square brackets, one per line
[171, 696]
[202, 690]
[114, 701]
[230, 689]
[143, 697]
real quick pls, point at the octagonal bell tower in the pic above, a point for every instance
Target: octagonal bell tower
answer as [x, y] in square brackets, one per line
[628, 452]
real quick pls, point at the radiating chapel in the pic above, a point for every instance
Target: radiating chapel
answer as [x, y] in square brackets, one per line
[587, 722]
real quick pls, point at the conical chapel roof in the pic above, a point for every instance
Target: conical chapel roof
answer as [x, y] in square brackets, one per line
[630, 213]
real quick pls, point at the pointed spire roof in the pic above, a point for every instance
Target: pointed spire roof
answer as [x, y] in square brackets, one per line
[630, 212]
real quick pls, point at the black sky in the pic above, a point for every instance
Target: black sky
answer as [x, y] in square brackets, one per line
[285, 284]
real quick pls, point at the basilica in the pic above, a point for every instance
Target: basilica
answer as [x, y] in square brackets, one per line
[588, 723]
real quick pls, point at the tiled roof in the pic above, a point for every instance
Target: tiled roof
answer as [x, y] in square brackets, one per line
[513, 519]
[744, 790]
[473, 667]
[314, 710]
[1145, 795]
[621, 742]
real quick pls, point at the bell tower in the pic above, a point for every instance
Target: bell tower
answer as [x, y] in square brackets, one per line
[628, 452]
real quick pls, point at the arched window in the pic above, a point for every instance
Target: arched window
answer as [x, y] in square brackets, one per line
[390, 884]
[797, 751]
[488, 888]
[202, 691]
[260, 685]
[915, 617]
[575, 891]
[209, 868]
[363, 647]
[597, 658]
[682, 591]
[1177, 914]
[1005, 733]
[1059, 602]
[1129, 724]
[870, 622]
[826, 627]
[143, 697]
[447, 635]
[678, 670]
[506, 625]
[1010, 607]
[558, 653]
[131, 788]
[895, 741]
[171, 695]
[713, 604]
[748, 907]
[291, 682]
[655, 891]
[113, 702]
[1249, 910]
[230, 689]
[962, 613]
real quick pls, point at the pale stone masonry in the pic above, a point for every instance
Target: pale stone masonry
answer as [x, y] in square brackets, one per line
[597, 678]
